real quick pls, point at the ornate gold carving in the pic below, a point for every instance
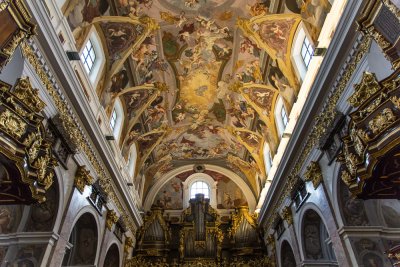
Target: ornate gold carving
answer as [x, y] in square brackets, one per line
[382, 121]
[287, 215]
[128, 244]
[314, 174]
[370, 108]
[271, 240]
[15, 41]
[28, 95]
[26, 29]
[346, 178]
[82, 178]
[43, 164]
[364, 90]
[156, 214]
[112, 218]
[12, 124]
[240, 214]
[396, 101]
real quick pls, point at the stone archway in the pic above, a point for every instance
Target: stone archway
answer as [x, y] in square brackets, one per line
[287, 256]
[112, 257]
[84, 237]
[315, 238]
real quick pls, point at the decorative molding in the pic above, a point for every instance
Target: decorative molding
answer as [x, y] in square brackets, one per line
[112, 218]
[287, 215]
[313, 174]
[128, 244]
[82, 178]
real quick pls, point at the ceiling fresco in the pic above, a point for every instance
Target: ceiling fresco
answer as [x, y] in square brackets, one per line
[198, 79]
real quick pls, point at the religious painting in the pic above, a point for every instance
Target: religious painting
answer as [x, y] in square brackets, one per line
[119, 81]
[170, 195]
[79, 12]
[229, 195]
[276, 34]
[120, 36]
[145, 142]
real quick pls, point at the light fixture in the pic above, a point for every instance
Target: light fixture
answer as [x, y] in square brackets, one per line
[110, 137]
[320, 51]
[73, 55]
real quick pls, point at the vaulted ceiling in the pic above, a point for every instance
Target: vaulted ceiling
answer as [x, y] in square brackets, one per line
[198, 79]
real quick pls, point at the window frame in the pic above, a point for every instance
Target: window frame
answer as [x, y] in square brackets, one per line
[284, 117]
[113, 119]
[306, 50]
[86, 55]
[202, 182]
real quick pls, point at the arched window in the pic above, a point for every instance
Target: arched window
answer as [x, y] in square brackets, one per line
[132, 160]
[88, 56]
[281, 116]
[116, 119]
[92, 57]
[307, 52]
[199, 187]
[267, 158]
[302, 51]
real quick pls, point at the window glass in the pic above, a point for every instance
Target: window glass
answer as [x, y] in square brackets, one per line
[113, 119]
[284, 117]
[88, 56]
[199, 187]
[306, 52]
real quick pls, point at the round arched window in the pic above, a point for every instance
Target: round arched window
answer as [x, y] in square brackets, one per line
[199, 187]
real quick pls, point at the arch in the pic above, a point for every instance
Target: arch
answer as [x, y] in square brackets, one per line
[352, 210]
[212, 185]
[314, 237]
[42, 216]
[112, 258]
[99, 64]
[117, 118]
[297, 59]
[84, 238]
[151, 195]
[287, 258]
